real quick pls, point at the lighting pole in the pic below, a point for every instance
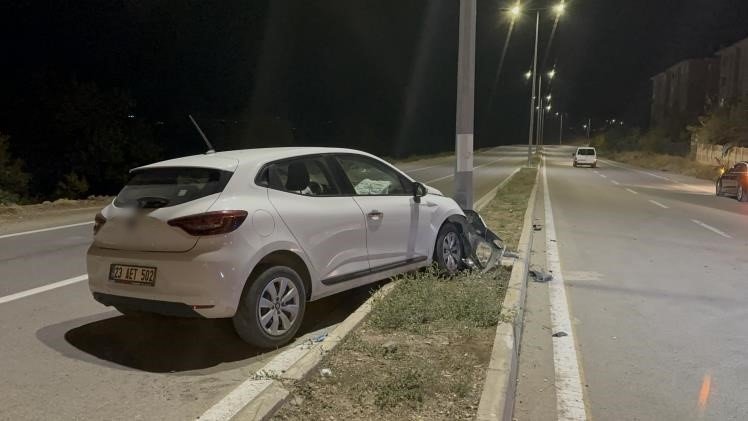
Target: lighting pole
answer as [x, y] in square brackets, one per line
[465, 105]
[561, 130]
[533, 96]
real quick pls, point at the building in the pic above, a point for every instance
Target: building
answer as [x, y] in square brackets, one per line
[682, 92]
[733, 78]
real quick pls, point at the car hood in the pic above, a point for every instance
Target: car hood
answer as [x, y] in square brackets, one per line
[432, 190]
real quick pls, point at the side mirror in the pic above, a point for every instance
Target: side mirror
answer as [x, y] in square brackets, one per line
[419, 190]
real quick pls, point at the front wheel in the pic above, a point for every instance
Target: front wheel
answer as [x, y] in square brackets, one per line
[742, 196]
[271, 308]
[719, 189]
[449, 251]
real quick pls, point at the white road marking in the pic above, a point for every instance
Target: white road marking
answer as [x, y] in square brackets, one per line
[474, 168]
[43, 288]
[569, 392]
[711, 228]
[654, 202]
[422, 168]
[631, 191]
[690, 187]
[615, 182]
[17, 234]
[603, 176]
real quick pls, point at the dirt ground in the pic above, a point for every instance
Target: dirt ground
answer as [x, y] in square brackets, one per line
[21, 214]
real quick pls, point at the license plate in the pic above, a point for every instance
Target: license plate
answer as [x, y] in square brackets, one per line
[136, 275]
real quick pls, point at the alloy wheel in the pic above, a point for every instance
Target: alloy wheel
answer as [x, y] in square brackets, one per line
[278, 308]
[451, 253]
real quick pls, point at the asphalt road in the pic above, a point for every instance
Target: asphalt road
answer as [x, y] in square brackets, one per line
[64, 356]
[654, 266]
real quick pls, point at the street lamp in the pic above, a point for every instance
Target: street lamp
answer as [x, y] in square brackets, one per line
[551, 74]
[559, 8]
[548, 97]
[515, 11]
[528, 75]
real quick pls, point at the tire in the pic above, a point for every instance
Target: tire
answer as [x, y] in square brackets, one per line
[575, 164]
[594, 165]
[448, 252]
[718, 189]
[741, 196]
[263, 319]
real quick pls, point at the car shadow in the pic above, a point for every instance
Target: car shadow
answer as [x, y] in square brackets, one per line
[171, 345]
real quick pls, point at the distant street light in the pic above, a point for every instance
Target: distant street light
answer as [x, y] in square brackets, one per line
[551, 74]
[528, 75]
[548, 107]
[548, 97]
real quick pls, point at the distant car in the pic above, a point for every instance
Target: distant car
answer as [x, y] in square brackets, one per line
[585, 156]
[255, 234]
[734, 182]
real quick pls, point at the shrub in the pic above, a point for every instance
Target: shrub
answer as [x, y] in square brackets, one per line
[72, 186]
[13, 180]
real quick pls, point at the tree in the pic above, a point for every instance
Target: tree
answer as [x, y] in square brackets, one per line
[13, 179]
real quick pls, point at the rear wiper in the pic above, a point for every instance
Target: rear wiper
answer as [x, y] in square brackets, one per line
[152, 202]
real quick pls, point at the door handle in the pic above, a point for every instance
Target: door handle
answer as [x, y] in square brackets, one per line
[375, 215]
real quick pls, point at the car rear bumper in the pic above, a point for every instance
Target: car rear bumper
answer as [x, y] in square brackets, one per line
[191, 284]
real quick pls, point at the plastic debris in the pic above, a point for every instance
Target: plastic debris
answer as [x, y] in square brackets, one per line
[319, 338]
[540, 276]
[325, 372]
[560, 334]
[390, 347]
[537, 227]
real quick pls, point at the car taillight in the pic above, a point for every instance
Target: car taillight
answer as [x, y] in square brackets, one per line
[210, 223]
[99, 222]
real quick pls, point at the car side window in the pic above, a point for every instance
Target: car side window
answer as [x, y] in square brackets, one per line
[371, 178]
[736, 169]
[304, 176]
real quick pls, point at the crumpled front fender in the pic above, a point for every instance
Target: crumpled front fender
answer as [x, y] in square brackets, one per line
[483, 248]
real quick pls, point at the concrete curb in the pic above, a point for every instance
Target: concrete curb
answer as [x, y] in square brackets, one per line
[273, 397]
[497, 399]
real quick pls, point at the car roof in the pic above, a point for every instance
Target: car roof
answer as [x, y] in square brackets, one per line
[229, 160]
[585, 147]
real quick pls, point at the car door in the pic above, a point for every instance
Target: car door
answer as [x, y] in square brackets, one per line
[328, 226]
[393, 217]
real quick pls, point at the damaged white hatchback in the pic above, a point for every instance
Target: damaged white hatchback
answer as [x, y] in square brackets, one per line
[255, 234]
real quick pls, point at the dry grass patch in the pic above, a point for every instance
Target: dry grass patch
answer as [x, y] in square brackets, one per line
[669, 163]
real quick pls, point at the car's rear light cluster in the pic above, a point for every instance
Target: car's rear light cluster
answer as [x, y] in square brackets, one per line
[210, 223]
[99, 222]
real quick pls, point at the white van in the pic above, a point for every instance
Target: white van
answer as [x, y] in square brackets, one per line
[585, 156]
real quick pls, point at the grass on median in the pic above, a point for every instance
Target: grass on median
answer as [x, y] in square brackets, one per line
[424, 349]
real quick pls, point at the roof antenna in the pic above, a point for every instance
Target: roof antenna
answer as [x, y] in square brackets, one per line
[210, 150]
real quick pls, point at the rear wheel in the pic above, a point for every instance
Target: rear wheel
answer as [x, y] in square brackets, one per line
[742, 196]
[271, 309]
[594, 165]
[449, 251]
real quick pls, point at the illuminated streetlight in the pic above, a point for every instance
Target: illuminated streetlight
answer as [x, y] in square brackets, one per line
[548, 97]
[559, 8]
[528, 75]
[548, 108]
[515, 11]
[551, 74]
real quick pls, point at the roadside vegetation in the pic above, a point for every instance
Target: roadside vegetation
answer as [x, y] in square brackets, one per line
[423, 351]
[668, 148]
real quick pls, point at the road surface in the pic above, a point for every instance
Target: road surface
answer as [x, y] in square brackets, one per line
[654, 268]
[64, 356]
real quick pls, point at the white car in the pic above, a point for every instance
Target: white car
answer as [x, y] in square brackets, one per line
[255, 234]
[585, 156]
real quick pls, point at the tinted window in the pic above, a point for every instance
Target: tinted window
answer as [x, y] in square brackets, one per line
[306, 176]
[371, 178]
[586, 152]
[163, 187]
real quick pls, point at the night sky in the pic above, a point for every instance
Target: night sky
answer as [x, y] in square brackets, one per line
[375, 75]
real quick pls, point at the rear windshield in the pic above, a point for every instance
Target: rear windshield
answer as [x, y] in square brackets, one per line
[585, 152]
[163, 187]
